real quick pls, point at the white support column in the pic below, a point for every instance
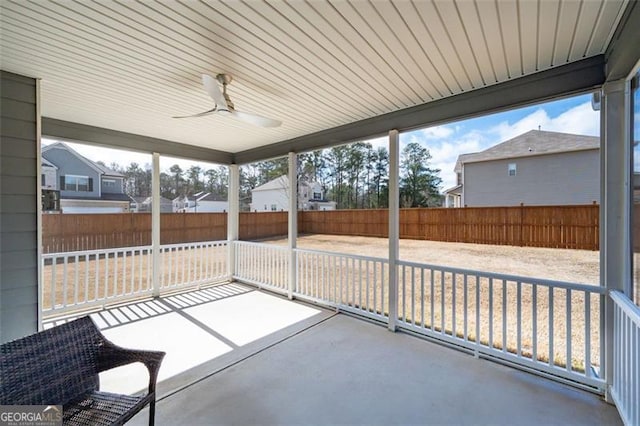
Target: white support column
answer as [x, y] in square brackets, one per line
[615, 239]
[155, 223]
[394, 225]
[293, 221]
[233, 218]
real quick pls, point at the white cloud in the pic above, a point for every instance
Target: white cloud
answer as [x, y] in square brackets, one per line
[437, 132]
[445, 154]
[580, 120]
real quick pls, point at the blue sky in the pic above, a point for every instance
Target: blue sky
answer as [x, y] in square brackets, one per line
[445, 142]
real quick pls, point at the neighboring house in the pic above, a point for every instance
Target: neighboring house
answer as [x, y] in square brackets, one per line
[273, 196]
[200, 202]
[143, 205]
[49, 175]
[535, 168]
[85, 186]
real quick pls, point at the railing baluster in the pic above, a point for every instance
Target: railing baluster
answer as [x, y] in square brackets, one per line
[367, 293]
[551, 331]
[169, 253]
[124, 272]
[360, 283]
[587, 334]
[382, 289]
[477, 313]
[465, 290]
[442, 302]
[453, 304]
[375, 287]
[86, 277]
[504, 316]
[568, 324]
[106, 274]
[133, 271]
[115, 273]
[491, 313]
[54, 279]
[404, 294]
[64, 282]
[519, 318]
[76, 283]
[534, 322]
[432, 294]
[422, 295]
[97, 276]
[413, 295]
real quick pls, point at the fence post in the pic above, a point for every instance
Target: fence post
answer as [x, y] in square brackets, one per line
[155, 223]
[293, 221]
[233, 218]
[394, 226]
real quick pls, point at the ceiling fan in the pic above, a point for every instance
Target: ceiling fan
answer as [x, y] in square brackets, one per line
[223, 104]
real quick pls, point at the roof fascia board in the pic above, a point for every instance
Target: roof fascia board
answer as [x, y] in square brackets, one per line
[573, 78]
[622, 55]
[76, 132]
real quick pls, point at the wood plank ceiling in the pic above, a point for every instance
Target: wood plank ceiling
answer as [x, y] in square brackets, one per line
[131, 65]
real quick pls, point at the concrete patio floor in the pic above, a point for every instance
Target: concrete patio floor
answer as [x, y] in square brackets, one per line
[240, 356]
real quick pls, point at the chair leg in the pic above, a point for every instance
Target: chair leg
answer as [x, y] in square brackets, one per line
[152, 412]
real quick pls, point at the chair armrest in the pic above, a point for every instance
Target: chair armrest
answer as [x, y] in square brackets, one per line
[112, 356]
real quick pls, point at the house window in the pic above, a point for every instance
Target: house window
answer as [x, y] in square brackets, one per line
[110, 183]
[317, 195]
[274, 207]
[76, 183]
[512, 169]
[44, 180]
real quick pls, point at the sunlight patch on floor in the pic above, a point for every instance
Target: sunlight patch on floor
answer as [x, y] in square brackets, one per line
[191, 336]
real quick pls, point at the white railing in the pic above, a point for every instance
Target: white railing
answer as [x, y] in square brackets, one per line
[626, 363]
[349, 282]
[264, 265]
[551, 327]
[192, 264]
[83, 279]
[548, 326]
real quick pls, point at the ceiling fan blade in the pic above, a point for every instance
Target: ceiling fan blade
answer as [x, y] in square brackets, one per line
[200, 114]
[211, 86]
[256, 120]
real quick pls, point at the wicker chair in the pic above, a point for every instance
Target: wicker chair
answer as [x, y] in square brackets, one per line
[60, 366]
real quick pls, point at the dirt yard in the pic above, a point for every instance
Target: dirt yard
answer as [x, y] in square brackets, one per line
[576, 266]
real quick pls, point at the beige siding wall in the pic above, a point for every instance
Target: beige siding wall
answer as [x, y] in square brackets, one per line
[558, 179]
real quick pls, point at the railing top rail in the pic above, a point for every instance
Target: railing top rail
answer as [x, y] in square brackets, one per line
[335, 254]
[497, 276]
[194, 243]
[627, 306]
[256, 244]
[97, 251]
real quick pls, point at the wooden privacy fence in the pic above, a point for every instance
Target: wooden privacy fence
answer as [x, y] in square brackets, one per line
[74, 232]
[574, 227]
